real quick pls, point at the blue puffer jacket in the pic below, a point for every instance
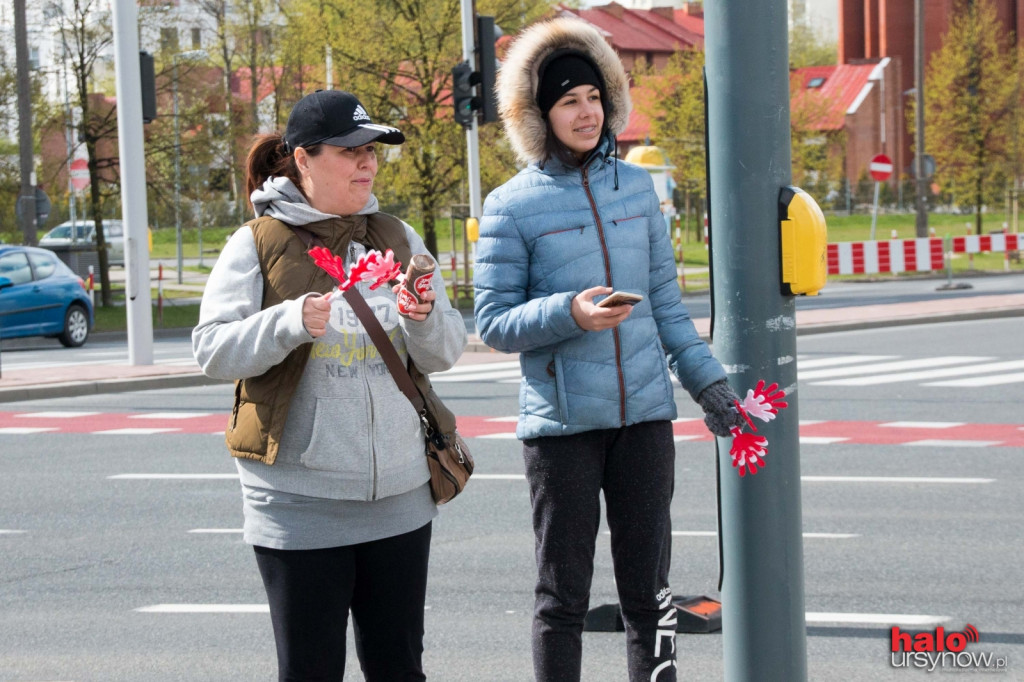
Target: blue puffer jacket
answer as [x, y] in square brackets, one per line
[548, 234]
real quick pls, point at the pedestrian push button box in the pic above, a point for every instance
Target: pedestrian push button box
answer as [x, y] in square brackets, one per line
[804, 243]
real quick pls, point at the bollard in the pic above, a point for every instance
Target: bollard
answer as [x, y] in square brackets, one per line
[92, 286]
[160, 294]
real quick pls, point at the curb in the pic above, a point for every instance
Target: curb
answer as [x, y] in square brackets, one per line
[74, 389]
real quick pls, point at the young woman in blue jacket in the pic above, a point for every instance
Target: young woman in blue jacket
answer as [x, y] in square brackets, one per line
[596, 400]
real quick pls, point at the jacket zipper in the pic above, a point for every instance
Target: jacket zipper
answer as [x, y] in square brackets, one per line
[608, 280]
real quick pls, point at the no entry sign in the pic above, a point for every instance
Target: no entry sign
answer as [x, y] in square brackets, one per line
[79, 174]
[880, 168]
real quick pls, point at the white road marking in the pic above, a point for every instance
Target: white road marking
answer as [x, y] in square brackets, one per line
[24, 430]
[920, 425]
[821, 440]
[891, 479]
[205, 608]
[884, 619]
[935, 443]
[170, 415]
[811, 536]
[928, 374]
[170, 477]
[975, 382]
[132, 432]
[818, 363]
[56, 415]
[4, 531]
[888, 367]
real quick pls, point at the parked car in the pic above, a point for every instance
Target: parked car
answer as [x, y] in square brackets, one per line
[84, 232]
[40, 296]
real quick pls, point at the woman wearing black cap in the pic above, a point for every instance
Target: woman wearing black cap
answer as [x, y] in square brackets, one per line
[596, 401]
[330, 452]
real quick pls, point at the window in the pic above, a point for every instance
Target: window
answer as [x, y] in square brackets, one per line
[169, 39]
[14, 266]
[197, 39]
[42, 264]
[815, 83]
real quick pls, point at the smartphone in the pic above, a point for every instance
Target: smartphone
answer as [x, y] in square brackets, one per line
[620, 298]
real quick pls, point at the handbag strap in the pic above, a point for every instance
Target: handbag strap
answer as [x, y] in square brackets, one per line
[371, 324]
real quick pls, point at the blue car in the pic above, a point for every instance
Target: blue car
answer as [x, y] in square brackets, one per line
[40, 296]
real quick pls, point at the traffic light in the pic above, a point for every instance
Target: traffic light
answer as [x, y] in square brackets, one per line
[465, 80]
[462, 93]
[147, 80]
[486, 66]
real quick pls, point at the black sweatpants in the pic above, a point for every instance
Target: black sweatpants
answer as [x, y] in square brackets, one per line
[634, 466]
[383, 582]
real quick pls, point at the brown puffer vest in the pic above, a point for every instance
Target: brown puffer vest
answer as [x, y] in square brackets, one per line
[262, 402]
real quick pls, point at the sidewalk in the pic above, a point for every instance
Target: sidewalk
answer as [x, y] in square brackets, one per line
[76, 380]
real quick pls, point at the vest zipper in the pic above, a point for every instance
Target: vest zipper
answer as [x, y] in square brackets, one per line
[608, 282]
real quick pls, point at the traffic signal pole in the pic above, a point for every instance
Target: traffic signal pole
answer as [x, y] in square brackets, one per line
[473, 130]
[763, 619]
[133, 181]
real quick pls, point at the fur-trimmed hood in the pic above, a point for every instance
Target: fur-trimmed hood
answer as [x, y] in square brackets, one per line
[518, 80]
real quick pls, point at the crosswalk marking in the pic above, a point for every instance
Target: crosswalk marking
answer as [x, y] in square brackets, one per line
[25, 430]
[979, 382]
[817, 363]
[897, 365]
[928, 374]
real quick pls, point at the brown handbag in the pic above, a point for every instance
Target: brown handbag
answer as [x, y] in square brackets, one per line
[448, 457]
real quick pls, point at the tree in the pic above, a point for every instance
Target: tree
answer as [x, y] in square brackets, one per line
[673, 100]
[85, 32]
[970, 105]
[809, 47]
[402, 76]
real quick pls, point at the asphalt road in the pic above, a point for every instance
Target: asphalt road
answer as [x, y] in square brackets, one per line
[95, 546]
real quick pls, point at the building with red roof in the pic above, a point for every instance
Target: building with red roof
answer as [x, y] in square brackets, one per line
[856, 108]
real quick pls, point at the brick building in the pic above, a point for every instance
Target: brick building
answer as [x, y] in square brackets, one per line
[873, 29]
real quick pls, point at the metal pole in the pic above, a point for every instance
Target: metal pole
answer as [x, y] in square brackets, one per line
[69, 131]
[133, 181]
[763, 619]
[177, 169]
[27, 192]
[874, 213]
[921, 182]
[473, 134]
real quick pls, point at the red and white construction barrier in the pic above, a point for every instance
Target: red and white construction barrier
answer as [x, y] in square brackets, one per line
[910, 255]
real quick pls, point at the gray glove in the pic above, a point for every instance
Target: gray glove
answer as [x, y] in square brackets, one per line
[718, 403]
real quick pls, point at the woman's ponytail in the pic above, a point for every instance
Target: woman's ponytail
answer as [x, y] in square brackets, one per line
[268, 157]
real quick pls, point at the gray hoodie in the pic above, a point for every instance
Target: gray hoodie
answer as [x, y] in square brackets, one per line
[350, 434]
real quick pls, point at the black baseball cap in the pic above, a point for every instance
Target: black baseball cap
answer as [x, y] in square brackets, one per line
[335, 117]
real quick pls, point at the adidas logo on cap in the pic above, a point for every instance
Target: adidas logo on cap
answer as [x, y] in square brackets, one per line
[360, 114]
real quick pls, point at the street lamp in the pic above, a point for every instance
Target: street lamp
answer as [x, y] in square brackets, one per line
[190, 55]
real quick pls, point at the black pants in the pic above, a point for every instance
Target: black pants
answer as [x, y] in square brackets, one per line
[634, 466]
[383, 582]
